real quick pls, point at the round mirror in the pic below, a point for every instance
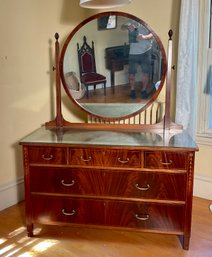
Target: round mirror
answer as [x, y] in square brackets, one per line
[113, 65]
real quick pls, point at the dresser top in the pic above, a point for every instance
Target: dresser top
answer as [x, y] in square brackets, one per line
[64, 136]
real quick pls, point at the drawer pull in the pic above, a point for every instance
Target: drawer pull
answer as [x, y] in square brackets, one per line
[47, 158]
[85, 160]
[67, 185]
[142, 188]
[123, 161]
[166, 163]
[68, 213]
[143, 217]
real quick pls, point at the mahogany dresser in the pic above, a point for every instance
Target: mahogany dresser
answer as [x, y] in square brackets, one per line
[109, 179]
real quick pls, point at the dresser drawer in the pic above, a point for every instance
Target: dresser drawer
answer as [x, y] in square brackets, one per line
[86, 157]
[154, 185]
[106, 158]
[165, 160]
[108, 213]
[47, 155]
[122, 158]
[147, 185]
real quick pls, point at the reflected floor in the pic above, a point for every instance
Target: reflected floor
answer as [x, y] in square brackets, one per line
[120, 95]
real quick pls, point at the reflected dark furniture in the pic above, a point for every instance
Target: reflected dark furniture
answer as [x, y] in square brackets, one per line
[87, 67]
[116, 57]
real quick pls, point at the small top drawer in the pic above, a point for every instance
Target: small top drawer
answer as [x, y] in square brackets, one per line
[105, 157]
[165, 160]
[86, 157]
[122, 158]
[47, 155]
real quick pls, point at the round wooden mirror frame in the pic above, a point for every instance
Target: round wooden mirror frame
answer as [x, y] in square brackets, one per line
[156, 38]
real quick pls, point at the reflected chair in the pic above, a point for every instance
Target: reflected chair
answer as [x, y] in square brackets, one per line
[87, 67]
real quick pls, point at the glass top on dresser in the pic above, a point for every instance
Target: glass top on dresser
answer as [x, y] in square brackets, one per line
[123, 138]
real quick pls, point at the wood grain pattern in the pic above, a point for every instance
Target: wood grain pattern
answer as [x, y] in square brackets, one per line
[161, 217]
[147, 185]
[47, 155]
[114, 187]
[103, 157]
[165, 160]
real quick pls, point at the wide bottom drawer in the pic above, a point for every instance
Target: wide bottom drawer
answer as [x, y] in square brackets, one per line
[164, 217]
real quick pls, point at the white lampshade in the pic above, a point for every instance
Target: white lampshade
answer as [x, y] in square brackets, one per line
[102, 4]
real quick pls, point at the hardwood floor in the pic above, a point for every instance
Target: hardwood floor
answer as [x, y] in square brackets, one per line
[53, 241]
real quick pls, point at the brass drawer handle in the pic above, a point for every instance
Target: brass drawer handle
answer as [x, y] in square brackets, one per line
[68, 213]
[166, 163]
[85, 160]
[67, 185]
[143, 218]
[123, 161]
[47, 158]
[142, 188]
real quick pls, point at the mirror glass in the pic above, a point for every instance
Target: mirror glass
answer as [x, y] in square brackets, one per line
[129, 59]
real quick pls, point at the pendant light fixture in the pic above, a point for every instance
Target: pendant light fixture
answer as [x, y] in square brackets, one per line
[102, 4]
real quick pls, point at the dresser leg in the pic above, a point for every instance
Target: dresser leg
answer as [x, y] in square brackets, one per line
[30, 230]
[185, 240]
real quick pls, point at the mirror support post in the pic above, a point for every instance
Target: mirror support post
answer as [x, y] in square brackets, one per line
[167, 119]
[59, 120]
[168, 124]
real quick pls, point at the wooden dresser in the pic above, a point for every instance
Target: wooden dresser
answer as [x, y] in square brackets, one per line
[126, 169]
[127, 180]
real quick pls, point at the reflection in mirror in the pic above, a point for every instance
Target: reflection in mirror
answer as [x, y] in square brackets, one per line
[131, 58]
[107, 22]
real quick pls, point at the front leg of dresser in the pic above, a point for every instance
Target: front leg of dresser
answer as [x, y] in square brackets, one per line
[29, 227]
[185, 241]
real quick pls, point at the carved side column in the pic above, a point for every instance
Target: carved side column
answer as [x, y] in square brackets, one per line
[29, 223]
[185, 239]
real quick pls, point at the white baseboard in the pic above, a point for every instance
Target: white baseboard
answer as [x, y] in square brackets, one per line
[203, 187]
[11, 193]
